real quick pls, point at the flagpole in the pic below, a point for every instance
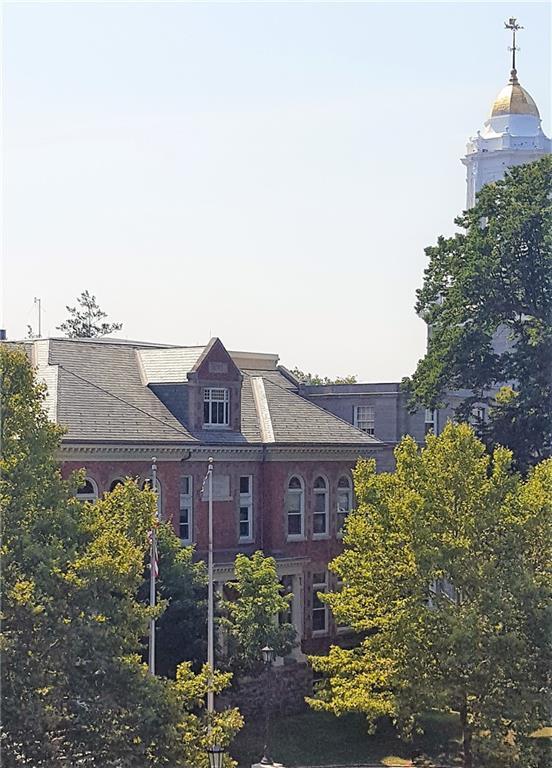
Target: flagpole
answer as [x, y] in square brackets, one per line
[211, 596]
[153, 568]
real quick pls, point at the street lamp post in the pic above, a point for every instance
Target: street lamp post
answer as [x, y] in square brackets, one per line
[216, 756]
[269, 657]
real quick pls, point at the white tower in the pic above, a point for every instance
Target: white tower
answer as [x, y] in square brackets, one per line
[511, 136]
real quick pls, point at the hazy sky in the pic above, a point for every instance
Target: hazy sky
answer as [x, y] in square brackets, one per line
[265, 172]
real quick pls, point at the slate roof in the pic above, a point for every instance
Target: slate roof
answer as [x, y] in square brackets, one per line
[129, 392]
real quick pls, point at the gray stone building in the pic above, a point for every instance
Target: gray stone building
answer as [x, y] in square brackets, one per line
[380, 410]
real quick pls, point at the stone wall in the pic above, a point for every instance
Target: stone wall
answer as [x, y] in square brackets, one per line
[285, 688]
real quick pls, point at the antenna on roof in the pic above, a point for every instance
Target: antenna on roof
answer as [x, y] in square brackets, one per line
[39, 305]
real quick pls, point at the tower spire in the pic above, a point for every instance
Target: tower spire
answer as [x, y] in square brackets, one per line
[513, 26]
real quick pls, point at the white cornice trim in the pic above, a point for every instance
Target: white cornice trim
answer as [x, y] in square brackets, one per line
[99, 452]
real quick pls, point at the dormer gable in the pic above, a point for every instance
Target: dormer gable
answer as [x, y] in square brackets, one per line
[215, 384]
[215, 363]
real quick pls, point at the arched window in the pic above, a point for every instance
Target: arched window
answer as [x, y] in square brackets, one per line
[344, 502]
[88, 490]
[320, 516]
[115, 483]
[295, 508]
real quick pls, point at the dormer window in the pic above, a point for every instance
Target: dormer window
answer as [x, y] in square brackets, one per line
[216, 407]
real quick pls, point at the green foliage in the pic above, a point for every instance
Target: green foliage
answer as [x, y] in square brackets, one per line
[250, 617]
[495, 276]
[85, 321]
[315, 378]
[446, 584]
[182, 585]
[74, 690]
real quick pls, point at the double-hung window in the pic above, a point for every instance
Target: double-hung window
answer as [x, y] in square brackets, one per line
[216, 407]
[320, 516]
[246, 508]
[185, 520]
[344, 502]
[319, 609]
[295, 509]
[364, 418]
[430, 421]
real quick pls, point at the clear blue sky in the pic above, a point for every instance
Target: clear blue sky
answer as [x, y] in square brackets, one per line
[265, 172]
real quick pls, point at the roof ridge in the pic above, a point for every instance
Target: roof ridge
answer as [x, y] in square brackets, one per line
[263, 409]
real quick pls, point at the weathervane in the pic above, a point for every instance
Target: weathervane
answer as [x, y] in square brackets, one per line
[514, 26]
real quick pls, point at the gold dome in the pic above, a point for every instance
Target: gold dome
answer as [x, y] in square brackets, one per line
[514, 100]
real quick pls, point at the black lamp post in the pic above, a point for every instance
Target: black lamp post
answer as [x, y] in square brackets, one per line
[269, 656]
[216, 756]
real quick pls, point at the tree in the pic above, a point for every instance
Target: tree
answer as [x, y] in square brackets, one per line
[446, 584]
[250, 620]
[496, 276]
[74, 690]
[182, 584]
[85, 321]
[315, 378]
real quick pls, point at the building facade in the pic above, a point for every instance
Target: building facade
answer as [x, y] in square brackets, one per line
[282, 465]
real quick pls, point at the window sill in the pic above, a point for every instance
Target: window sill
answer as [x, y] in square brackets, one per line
[320, 536]
[295, 537]
[320, 633]
[249, 540]
[343, 630]
[217, 426]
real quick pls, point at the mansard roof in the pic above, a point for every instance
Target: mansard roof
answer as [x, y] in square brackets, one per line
[132, 392]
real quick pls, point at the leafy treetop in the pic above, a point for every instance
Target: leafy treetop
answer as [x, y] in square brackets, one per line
[315, 378]
[495, 278]
[74, 690]
[446, 585]
[250, 617]
[85, 321]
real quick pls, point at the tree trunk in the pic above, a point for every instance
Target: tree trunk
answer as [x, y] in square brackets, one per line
[466, 735]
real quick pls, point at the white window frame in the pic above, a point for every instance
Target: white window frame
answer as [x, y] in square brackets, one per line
[341, 514]
[246, 502]
[430, 421]
[479, 415]
[300, 493]
[325, 491]
[222, 396]
[186, 503]
[319, 586]
[365, 418]
[89, 496]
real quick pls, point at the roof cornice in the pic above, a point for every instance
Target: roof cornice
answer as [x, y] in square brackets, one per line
[138, 452]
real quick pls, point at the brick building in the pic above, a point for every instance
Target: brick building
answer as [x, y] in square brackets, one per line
[282, 465]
